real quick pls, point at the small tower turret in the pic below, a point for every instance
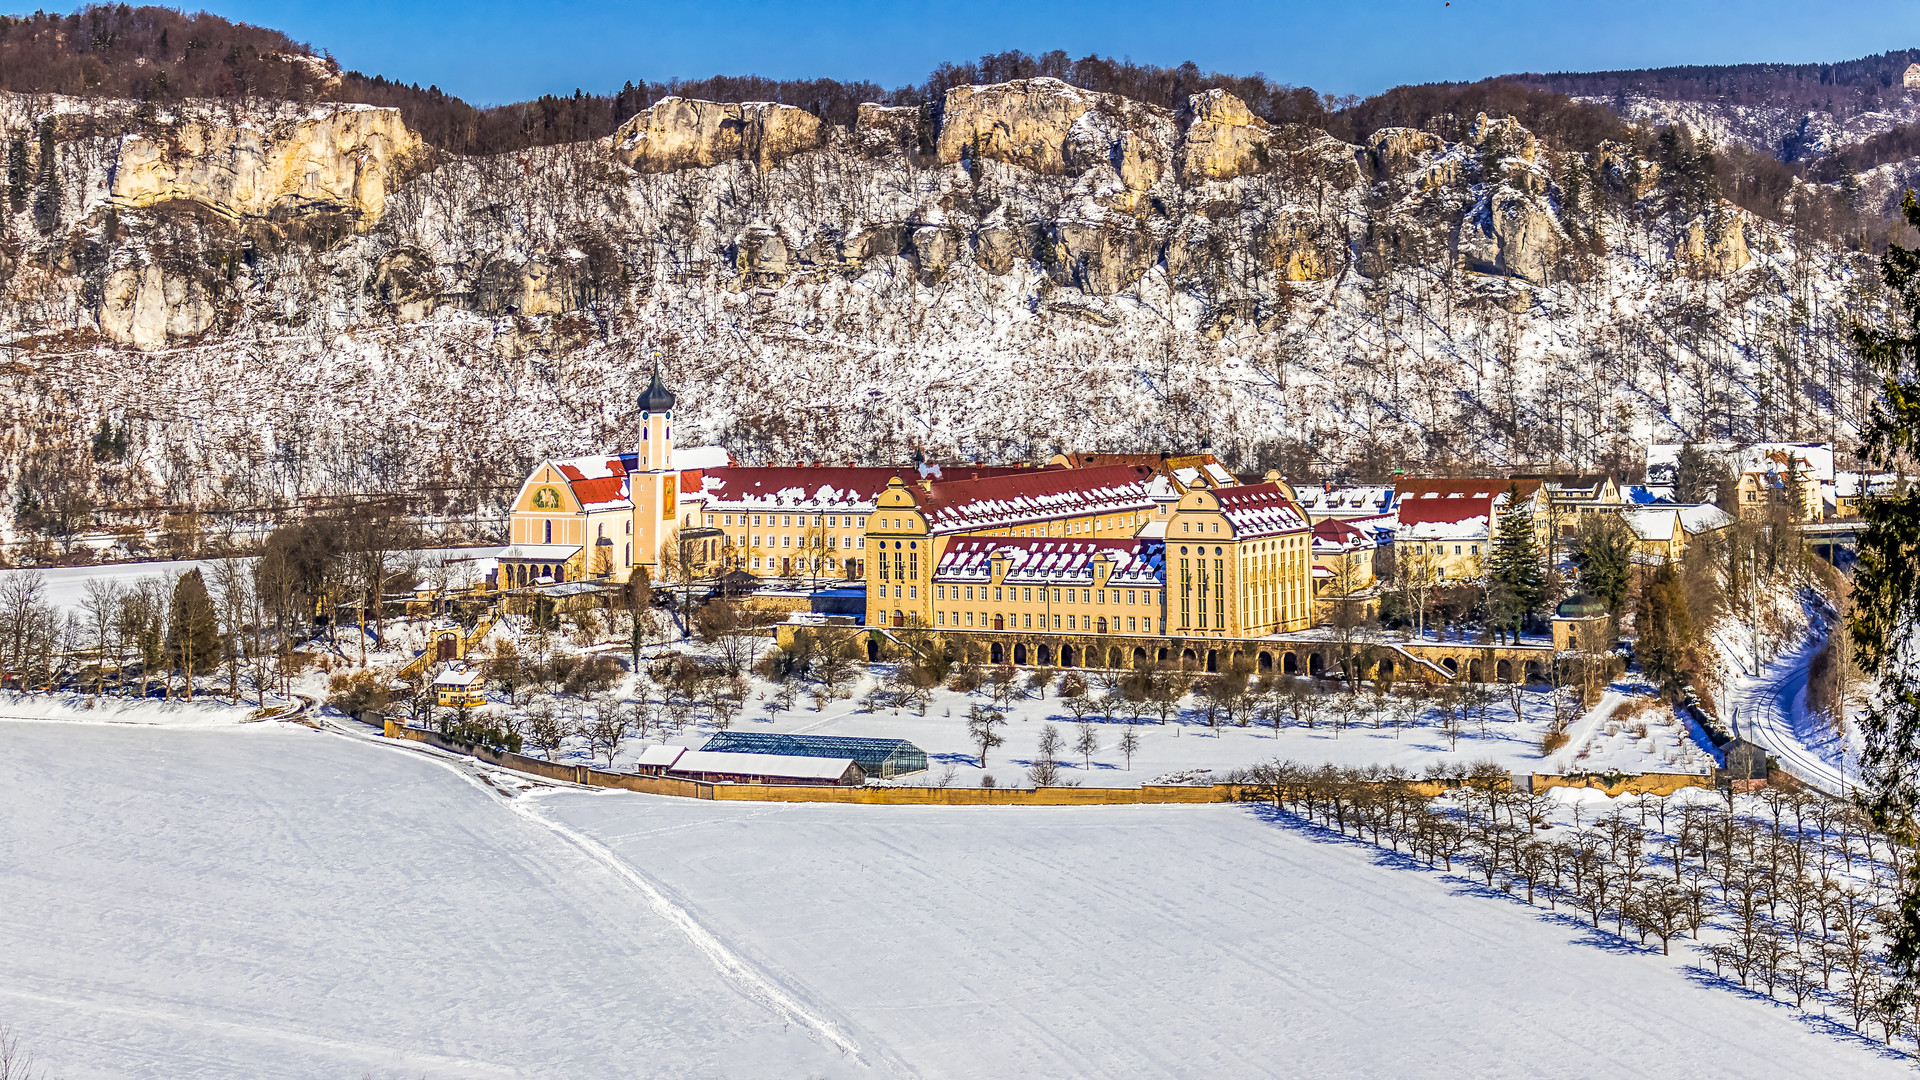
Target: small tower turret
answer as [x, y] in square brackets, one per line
[654, 485]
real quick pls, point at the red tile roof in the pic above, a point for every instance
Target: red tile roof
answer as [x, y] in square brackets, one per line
[1257, 510]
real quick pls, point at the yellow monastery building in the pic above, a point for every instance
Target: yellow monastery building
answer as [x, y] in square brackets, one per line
[1102, 544]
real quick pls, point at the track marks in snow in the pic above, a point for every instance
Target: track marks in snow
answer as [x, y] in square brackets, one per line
[757, 985]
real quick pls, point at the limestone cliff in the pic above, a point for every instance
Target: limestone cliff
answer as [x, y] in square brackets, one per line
[335, 158]
[1024, 264]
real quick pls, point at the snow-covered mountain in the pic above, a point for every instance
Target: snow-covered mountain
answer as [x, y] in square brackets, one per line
[278, 302]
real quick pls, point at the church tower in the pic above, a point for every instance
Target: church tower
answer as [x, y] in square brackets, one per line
[654, 483]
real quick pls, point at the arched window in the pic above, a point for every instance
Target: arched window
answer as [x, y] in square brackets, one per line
[548, 532]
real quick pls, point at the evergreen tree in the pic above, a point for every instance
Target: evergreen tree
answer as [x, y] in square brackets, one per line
[46, 203]
[1519, 577]
[1603, 554]
[193, 631]
[17, 174]
[1696, 475]
[1664, 629]
[1886, 592]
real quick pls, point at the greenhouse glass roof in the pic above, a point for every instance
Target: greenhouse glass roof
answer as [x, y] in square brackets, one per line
[876, 757]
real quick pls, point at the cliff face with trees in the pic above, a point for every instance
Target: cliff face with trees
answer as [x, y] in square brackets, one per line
[270, 302]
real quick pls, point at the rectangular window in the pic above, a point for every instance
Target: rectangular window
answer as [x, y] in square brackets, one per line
[1086, 596]
[1132, 596]
[1474, 550]
[756, 562]
[1029, 621]
[939, 592]
[1056, 622]
[786, 541]
[787, 520]
[756, 519]
[896, 592]
[862, 543]
[756, 543]
[1056, 596]
[1028, 594]
[969, 618]
[859, 523]
[940, 618]
[996, 594]
[709, 519]
[913, 592]
[729, 520]
[1130, 622]
[969, 592]
[1070, 625]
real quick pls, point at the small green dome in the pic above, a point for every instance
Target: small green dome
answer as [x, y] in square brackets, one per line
[1580, 606]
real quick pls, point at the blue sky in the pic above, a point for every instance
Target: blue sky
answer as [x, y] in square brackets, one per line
[490, 51]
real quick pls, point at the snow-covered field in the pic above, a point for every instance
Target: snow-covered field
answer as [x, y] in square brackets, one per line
[1381, 732]
[273, 901]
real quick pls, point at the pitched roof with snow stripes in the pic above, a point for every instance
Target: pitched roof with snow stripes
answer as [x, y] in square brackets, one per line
[1051, 561]
[1257, 510]
[1035, 495]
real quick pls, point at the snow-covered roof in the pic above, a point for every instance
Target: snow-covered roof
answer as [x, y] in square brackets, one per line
[1702, 518]
[1051, 561]
[1471, 528]
[539, 552]
[1329, 501]
[1334, 536]
[785, 766]
[457, 676]
[660, 756]
[1814, 460]
[1036, 495]
[1651, 524]
[1257, 510]
[796, 487]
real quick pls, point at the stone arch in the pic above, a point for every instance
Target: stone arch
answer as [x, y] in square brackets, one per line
[1162, 654]
[1187, 659]
[1139, 657]
[1066, 656]
[1476, 671]
[1020, 653]
[1213, 661]
[1289, 663]
[1452, 665]
[997, 653]
[1114, 658]
[873, 649]
[1264, 661]
[1503, 671]
[1316, 664]
[1043, 655]
[1385, 668]
[1536, 673]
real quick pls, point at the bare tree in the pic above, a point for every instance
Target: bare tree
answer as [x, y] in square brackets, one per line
[983, 726]
[1086, 743]
[1129, 744]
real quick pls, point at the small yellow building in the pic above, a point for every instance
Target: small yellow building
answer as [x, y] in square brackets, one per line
[459, 687]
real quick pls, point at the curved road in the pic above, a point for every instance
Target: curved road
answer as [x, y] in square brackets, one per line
[1770, 710]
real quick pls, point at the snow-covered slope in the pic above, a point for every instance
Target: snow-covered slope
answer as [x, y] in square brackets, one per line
[272, 901]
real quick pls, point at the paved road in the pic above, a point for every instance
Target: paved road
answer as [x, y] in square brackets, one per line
[1770, 715]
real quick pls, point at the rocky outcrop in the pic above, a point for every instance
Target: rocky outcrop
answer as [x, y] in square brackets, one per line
[1713, 247]
[679, 133]
[340, 159]
[1503, 136]
[1104, 257]
[996, 247]
[1513, 234]
[1024, 123]
[880, 130]
[148, 307]
[1398, 150]
[1223, 139]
